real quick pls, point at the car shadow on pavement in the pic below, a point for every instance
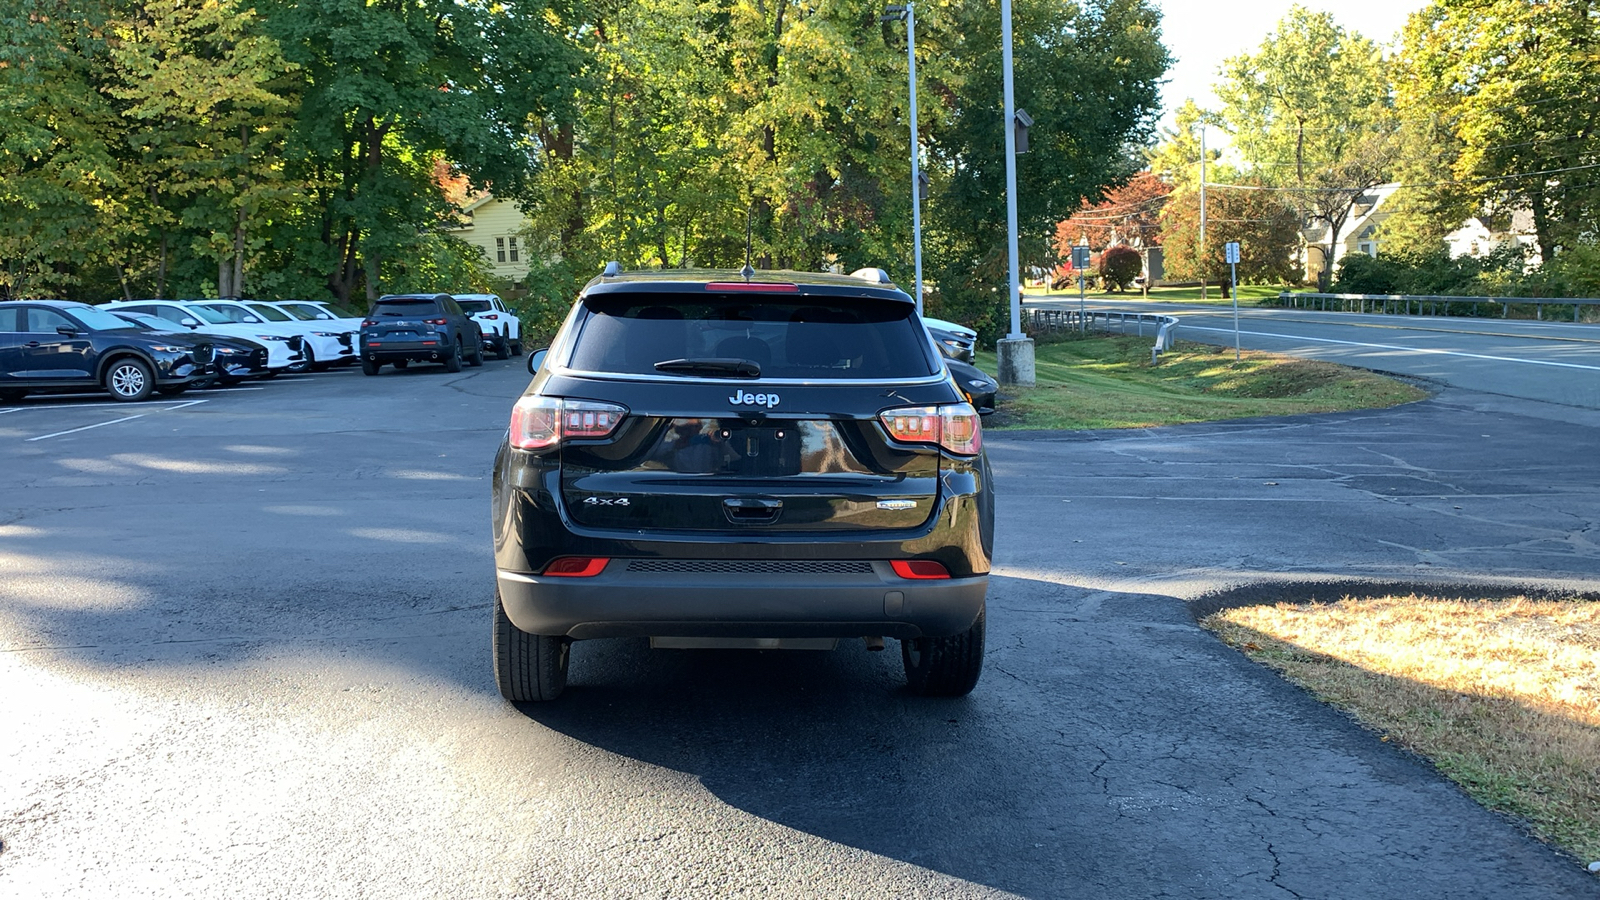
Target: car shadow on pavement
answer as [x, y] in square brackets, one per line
[1111, 745]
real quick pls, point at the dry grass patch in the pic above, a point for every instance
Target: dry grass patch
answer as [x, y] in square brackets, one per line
[1502, 696]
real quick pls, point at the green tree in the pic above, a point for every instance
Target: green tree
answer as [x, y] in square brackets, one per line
[1506, 91]
[1311, 114]
[207, 97]
[59, 179]
[1088, 74]
[386, 89]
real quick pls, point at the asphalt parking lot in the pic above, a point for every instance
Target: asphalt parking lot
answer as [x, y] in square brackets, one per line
[245, 644]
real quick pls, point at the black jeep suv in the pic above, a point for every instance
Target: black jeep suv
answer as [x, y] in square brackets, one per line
[716, 459]
[424, 327]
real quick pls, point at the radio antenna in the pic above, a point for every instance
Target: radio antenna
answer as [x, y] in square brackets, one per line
[748, 271]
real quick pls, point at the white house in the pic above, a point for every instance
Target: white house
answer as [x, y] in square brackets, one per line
[495, 227]
[1477, 237]
[1359, 234]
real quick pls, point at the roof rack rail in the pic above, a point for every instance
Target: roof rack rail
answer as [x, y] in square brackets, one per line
[876, 276]
[612, 268]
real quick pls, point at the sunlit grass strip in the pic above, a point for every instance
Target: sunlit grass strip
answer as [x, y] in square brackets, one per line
[1108, 382]
[1502, 696]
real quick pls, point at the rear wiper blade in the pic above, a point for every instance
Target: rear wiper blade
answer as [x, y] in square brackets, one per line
[713, 365]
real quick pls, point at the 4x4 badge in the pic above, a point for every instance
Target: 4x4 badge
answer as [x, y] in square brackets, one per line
[742, 397]
[605, 501]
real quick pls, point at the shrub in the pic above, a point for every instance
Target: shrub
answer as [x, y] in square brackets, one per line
[1119, 266]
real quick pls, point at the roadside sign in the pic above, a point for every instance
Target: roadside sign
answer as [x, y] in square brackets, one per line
[1232, 249]
[1080, 257]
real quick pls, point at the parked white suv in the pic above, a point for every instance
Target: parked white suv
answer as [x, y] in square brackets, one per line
[502, 330]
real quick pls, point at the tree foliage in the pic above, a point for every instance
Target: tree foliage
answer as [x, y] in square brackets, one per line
[1130, 214]
[1312, 115]
[1499, 97]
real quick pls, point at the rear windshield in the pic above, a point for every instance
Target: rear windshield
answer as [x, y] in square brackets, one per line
[405, 307]
[474, 306]
[803, 337]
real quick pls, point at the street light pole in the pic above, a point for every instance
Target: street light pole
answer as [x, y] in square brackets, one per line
[908, 14]
[1015, 352]
[916, 163]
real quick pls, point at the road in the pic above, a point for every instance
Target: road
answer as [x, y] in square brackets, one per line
[245, 645]
[1555, 362]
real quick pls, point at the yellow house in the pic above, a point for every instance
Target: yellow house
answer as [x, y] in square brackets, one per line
[494, 226]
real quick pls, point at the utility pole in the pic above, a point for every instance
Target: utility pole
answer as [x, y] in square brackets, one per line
[1201, 255]
[1015, 351]
[909, 14]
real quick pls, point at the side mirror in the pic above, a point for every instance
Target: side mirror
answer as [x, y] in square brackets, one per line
[536, 359]
[189, 323]
[66, 331]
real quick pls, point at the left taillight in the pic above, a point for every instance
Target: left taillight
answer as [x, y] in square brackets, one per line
[955, 426]
[538, 423]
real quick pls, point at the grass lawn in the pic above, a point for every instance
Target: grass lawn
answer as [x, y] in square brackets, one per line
[1502, 696]
[1249, 294]
[1106, 381]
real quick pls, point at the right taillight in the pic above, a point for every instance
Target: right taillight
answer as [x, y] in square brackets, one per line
[955, 426]
[538, 423]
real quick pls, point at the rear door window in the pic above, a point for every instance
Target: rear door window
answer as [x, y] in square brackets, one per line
[405, 308]
[795, 337]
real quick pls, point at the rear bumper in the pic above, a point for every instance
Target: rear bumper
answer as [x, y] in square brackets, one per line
[621, 603]
[413, 350]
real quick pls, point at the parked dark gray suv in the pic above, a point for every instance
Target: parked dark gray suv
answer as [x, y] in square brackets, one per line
[402, 328]
[714, 460]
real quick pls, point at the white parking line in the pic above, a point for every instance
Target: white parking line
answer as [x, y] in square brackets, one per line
[113, 421]
[86, 427]
[1297, 337]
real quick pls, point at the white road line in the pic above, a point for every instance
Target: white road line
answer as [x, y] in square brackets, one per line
[1297, 337]
[86, 427]
[11, 410]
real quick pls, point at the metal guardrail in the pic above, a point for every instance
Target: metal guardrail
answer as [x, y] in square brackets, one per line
[1426, 304]
[1164, 328]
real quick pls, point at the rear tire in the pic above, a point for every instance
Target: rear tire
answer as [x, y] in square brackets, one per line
[129, 380]
[452, 363]
[476, 359]
[516, 348]
[370, 366]
[502, 350]
[945, 666]
[172, 390]
[528, 668]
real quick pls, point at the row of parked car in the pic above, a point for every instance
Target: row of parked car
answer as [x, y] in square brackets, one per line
[134, 349]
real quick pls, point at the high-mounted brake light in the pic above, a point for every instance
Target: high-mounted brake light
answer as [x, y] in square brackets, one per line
[583, 566]
[919, 568]
[753, 287]
[538, 423]
[955, 426]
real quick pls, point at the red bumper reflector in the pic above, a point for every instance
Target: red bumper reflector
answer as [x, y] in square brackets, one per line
[577, 566]
[919, 568]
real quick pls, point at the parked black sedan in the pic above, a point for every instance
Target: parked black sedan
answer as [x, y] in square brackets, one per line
[236, 358]
[55, 345]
